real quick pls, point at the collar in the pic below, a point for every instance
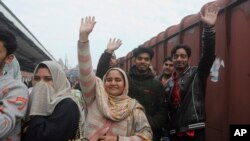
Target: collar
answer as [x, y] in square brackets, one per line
[182, 73]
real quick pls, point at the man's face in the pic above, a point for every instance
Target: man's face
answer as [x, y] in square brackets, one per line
[142, 62]
[168, 67]
[4, 58]
[180, 60]
[113, 61]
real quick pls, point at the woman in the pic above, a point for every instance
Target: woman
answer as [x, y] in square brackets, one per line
[112, 115]
[53, 113]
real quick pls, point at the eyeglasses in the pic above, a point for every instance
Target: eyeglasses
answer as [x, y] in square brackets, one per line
[182, 56]
[45, 78]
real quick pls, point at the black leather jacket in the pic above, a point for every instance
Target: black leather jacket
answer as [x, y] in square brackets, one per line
[190, 113]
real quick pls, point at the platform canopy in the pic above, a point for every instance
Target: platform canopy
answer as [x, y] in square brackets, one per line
[30, 51]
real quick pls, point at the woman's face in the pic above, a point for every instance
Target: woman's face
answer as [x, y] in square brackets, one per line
[114, 83]
[43, 74]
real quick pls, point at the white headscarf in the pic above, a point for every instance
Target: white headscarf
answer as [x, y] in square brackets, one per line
[115, 108]
[44, 98]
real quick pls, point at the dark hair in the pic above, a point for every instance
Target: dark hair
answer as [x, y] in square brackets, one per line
[8, 39]
[167, 58]
[139, 50]
[183, 46]
[41, 65]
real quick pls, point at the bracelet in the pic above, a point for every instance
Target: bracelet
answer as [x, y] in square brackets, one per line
[117, 138]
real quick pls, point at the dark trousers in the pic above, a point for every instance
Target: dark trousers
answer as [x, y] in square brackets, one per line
[199, 136]
[157, 135]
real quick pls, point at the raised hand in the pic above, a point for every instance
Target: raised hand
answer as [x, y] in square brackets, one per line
[210, 15]
[87, 25]
[113, 45]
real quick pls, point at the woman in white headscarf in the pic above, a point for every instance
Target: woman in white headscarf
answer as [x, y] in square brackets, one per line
[53, 113]
[111, 114]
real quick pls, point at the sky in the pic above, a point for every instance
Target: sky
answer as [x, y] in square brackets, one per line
[55, 23]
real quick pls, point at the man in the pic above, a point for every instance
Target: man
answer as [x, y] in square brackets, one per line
[186, 89]
[108, 58]
[13, 93]
[147, 90]
[167, 70]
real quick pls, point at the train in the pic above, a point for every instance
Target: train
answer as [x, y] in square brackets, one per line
[227, 98]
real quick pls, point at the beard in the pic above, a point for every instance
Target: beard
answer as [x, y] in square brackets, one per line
[2, 64]
[181, 67]
[167, 75]
[142, 70]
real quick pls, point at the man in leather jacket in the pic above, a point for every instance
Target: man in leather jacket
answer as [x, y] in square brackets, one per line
[185, 91]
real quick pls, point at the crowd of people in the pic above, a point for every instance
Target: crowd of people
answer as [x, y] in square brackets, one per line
[111, 104]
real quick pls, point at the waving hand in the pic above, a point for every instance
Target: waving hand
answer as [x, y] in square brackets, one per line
[87, 25]
[113, 45]
[210, 15]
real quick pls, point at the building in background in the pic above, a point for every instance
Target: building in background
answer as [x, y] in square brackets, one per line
[30, 51]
